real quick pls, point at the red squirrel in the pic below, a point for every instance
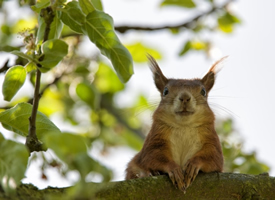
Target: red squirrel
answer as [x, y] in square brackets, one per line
[182, 140]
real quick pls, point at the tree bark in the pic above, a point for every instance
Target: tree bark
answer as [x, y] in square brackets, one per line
[206, 186]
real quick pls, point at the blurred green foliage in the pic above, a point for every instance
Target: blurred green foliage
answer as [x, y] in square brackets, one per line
[236, 159]
[82, 89]
[14, 160]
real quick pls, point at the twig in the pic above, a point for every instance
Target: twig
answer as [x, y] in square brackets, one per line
[188, 24]
[32, 141]
[5, 67]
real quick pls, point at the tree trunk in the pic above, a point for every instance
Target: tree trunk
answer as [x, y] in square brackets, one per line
[206, 186]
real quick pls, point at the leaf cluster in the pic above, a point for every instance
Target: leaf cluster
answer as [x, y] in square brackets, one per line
[44, 50]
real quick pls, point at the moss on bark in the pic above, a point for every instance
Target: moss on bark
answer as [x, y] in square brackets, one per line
[206, 186]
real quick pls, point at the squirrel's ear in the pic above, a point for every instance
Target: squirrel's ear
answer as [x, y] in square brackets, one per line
[209, 79]
[159, 78]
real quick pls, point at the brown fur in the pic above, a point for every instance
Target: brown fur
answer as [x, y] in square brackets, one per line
[182, 140]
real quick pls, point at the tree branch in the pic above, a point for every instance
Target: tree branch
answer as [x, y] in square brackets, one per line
[188, 24]
[32, 141]
[206, 186]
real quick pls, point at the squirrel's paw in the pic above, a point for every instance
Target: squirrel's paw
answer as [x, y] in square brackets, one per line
[177, 178]
[191, 170]
[155, 173]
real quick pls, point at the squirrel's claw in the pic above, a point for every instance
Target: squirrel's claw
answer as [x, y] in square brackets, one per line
[155, 173]
[191, 170]
[177, 178]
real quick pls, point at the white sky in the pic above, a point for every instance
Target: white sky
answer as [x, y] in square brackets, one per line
[245, 83]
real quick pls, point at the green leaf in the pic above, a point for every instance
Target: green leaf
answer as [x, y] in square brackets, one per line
[13, 163]
[82, 70]
[139, 50]
[100, 29]
[55, 28]
[51, 102]
[197, 45]
[25, 56]
[6, 29]
[227, 21]
[1, 138]
[89, 94]
[97, 4]
[53, 52]
[65, 144]
[30, 67]
[41, 30]
[73, 17]
[7, 48]
[86, 6]
[106, 80]
[181, 3]
[187, 46]
[72, 149]
[24, 24]
[16, 119]
[175, 30]
[40, 4]
[14, 80]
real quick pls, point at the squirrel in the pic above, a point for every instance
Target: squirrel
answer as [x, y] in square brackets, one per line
[182, 140]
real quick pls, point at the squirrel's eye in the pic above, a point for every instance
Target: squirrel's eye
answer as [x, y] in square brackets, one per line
[203, 92]
[165, 91]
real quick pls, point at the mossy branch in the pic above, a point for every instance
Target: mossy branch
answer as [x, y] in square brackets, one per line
[206, 186]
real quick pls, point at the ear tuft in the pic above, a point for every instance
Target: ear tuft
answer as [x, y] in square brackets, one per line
[159, 78]
[216, 67]
[209, 79]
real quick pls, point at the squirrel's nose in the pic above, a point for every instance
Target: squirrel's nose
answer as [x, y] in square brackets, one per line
[185, 98]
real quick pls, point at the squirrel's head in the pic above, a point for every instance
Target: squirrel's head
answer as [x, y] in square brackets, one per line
[184, 100]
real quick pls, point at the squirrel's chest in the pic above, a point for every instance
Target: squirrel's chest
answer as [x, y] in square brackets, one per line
[184, 144]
